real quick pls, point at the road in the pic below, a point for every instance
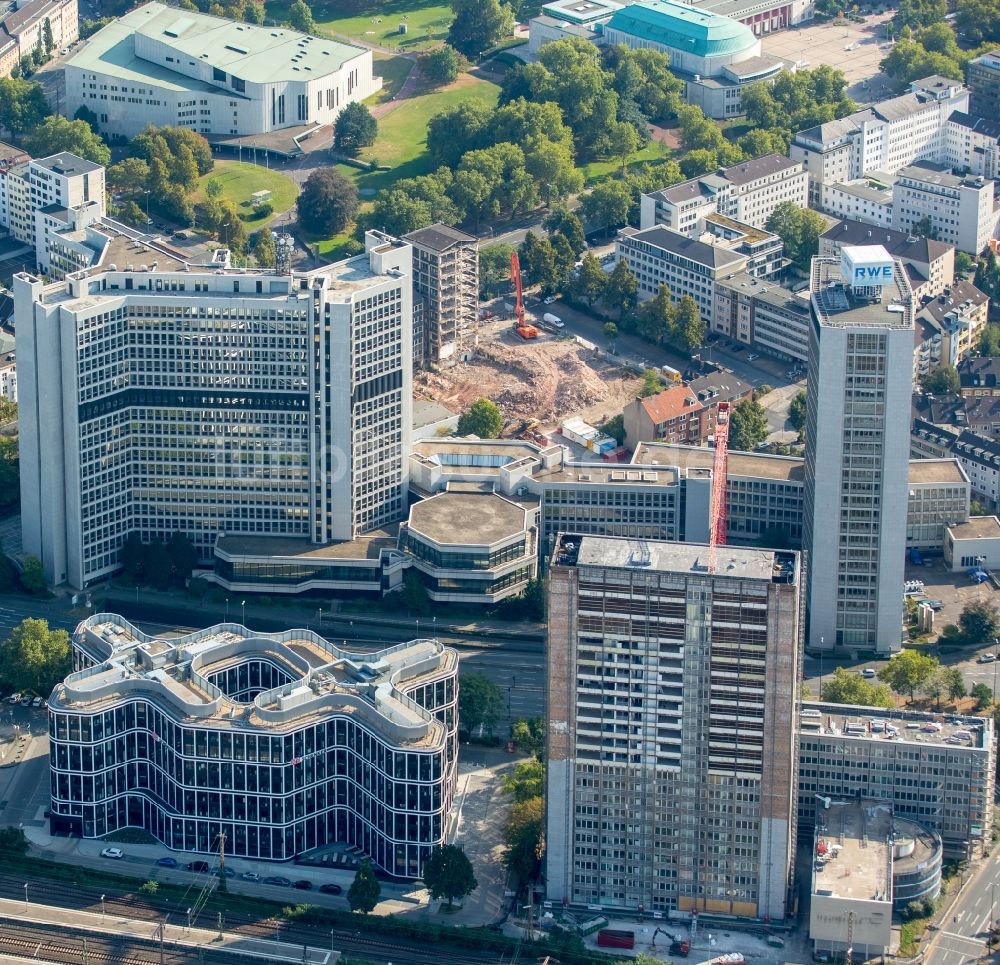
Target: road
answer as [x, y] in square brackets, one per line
[962, 937]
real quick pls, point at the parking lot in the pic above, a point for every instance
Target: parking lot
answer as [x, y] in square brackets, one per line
[827, 43]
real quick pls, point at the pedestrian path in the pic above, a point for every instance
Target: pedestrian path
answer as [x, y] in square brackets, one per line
[176, 936]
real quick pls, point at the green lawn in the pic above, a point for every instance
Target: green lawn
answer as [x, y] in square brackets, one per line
[239, 181]
[377, 21]
[402, 134]
[598, 170]
[393, 71]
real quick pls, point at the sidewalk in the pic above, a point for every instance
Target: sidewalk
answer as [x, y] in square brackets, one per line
[174, 936]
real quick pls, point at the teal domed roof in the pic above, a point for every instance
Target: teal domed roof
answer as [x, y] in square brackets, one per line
[683, 27]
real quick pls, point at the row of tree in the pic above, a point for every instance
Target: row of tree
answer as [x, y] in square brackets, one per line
[157, 563]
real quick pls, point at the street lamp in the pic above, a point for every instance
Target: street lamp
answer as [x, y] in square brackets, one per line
[146, 192]
[227, 609]
[243, 610]
[26, 896]
[102, 909]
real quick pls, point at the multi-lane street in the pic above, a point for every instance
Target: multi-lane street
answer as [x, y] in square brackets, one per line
[963, 934]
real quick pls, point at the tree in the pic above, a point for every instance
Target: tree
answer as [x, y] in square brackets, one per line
[57, 133]
[365, 890]
[952, 682]
[562, 221]
[964, 264]
[621, 290]
[924, 228]
[651, 384]
[610, 330]
[607, 205]
[414, 593]
[213, 188]
[978, 21]
[483, 419]
[131, 175]
[847, 687]
[232, 230]
[657, 317]
[416, 202]
[13, 842]
[10, 472]
[328, 202]
[590, 280]
[480, 703]
[84, 113]
[479, 25]
[989, 341]
[528, 778]
[979, 622]
[524, 837]
[47, 38]
[983, 695]
[920, 13]
[797, 411]
[448, 873]
[908, 671]
[183, 556]
[354, 129]
[34, 657]
[452, 132]
[690, 327]
[158, 565]
[624, 141]
[300, 17]
[529, 736]
[32, 574]
[494, 267]
[943, 380]
[747, 426]
[132, 557]
[441, 66]
[799, 229]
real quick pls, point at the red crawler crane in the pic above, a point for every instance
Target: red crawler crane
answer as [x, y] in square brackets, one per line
[523, 329]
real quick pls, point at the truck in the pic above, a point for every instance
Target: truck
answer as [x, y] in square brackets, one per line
[554, 320]
[615, 938]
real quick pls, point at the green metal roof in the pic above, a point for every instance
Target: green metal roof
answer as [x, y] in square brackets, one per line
[683, 27]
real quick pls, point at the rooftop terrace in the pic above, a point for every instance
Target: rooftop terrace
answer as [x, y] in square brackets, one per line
[853, 856]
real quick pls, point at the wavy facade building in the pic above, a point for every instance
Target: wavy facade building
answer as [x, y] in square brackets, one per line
[282, 742]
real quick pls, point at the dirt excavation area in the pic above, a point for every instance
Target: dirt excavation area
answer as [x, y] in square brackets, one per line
[548, 379]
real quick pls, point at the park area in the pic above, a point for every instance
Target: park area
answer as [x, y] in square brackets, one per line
[379, 23]
[239, 182]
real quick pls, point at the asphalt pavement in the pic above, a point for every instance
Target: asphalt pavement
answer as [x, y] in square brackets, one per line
[964, 929]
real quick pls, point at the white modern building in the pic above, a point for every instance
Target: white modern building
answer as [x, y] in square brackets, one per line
[884, 137]
[165, 66]
[973, 144]
[661, 256]
[859, 389]
[747, 192]
[962, 209]
[714, 55]
[671, 696]
[159, 397]
[867, 199]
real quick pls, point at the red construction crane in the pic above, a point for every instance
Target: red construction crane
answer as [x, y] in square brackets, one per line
[520, 326]
[720, 470]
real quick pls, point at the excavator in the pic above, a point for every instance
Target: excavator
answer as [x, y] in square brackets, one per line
[522, 328]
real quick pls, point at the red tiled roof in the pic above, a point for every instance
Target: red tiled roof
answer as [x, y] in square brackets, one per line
[670, 403]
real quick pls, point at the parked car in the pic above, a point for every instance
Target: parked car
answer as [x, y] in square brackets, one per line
[37, 702]
[26, 700]
[250, 876]
[752, 357]
[112, 853]
[986, 658]
[549, 300]
[868, 673]
[167, 862]
[303, 885]
[226, 872]
[14, 698]
[198, 866]
[277, 880]
[331, 889]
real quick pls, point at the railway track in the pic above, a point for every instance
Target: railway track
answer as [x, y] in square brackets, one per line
[352, 943]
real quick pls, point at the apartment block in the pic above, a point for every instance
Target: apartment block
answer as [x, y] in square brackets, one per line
[282, 401]
[938, 771]
[23, 26]
[859, 388]
[962, 210]
[884, 137]
[277, 742]
[661, 256]
[948, 328]
[867, 199]
[670, 748]
[929, 264]
[8, 377]
[446, 278]
[973, 143]
[983, 77]
[760, 313]
[11, 158]
[747, 192]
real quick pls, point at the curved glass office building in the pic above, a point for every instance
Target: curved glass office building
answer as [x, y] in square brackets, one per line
[281, 742]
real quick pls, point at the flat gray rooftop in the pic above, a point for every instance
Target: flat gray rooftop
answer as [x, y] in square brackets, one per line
[856, 862]
[467, 519]
[732, 561]
[840, 306]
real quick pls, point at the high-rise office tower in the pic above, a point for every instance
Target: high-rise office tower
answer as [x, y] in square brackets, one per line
[671, 706]
[446, 277]
[857, 449]
[158, 399]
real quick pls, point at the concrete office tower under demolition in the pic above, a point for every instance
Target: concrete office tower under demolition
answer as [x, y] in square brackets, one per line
[671, 696]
